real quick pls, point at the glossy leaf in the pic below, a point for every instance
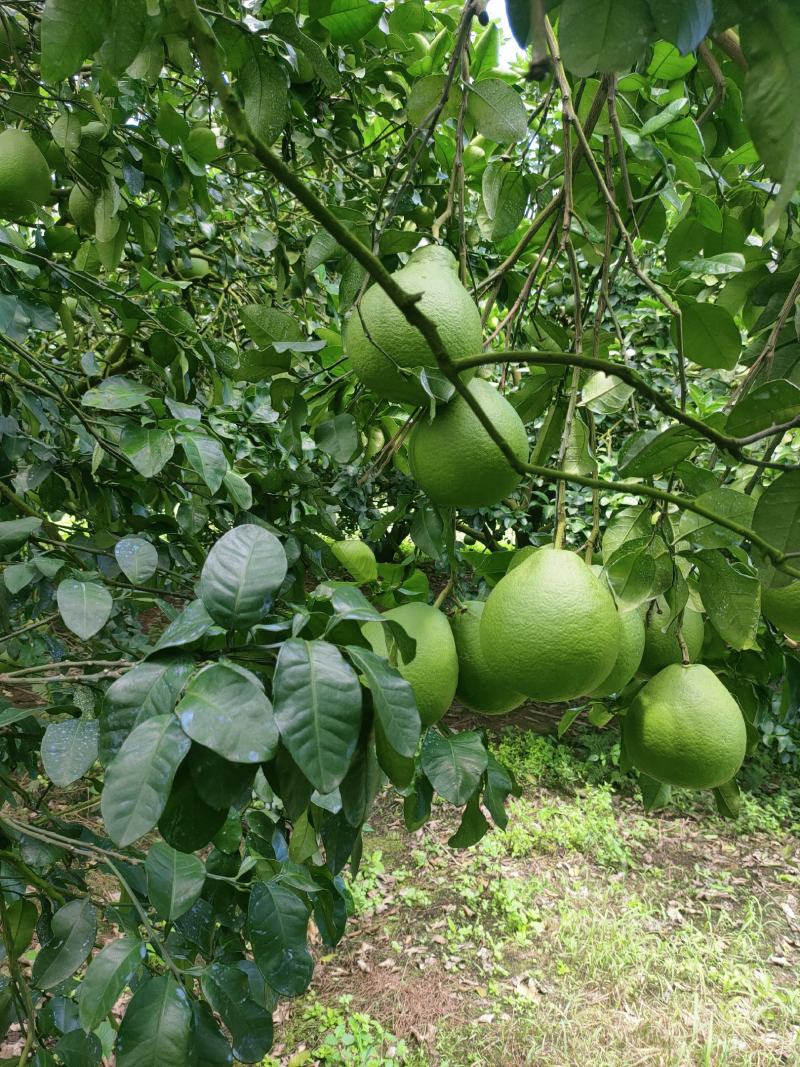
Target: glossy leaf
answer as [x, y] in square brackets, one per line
[318, 709]
[139, 778]
[69, 749]
[277, 925]
[155, 1027]
[226, 709]
[74, 927]
[243, 570]
[137, 559]
[146, 690]
[454, 764]
[174, 880]
[107, 976]
[85, 607]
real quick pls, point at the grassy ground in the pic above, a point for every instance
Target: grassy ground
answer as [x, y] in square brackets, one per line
[587, 934]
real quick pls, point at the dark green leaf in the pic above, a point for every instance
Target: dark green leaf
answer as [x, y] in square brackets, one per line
[148, 689]
[139, 778]
[497, 111]
[732, 599]
[244, 569]
[116, 394]
[728, 800]
[71, 31]
[473, 825]
[764, 406]
[318, 709]
[21, 917]
[174, 880]
[604, 35]
[226, 709]
[655, 795]
[106, 978]
[682, 22]
[262, 83]
[348, 21]
[777, 519]
[277, 926]
[711, 338]
[227, 990]
[15, 533]
[155, 1028]
[137, 558]
[205, 455]
[650, 452]
[148, 450]
[74, 927]
[392, 698]
[454, 764]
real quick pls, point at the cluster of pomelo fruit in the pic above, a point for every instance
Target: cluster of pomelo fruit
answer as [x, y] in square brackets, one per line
[550, 630]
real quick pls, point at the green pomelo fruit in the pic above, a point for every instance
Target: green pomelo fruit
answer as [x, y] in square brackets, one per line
[455, 461]
[684, 728]
[551, 628]
[480, 687]
[81, 207]
[305, 70]
[12, 37]
[433, 672]
[661, 647]
[393, 343]
[375, 440]
[198, 266]
[782, 607]
[201, 144]
[24, 175]
[631, 648]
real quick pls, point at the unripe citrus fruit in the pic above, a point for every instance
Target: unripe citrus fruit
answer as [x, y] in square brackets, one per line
[24, 175]
[661, 647]
[455, 460]
[198, 266]
[782, 607]
[474, 157]
[375, 442]
[684, 728]
[393, 343]
[81, 207]
[433, 672]
[551, 628]
[631, 647]
[201, 144]
[305, 71]
[480, 687]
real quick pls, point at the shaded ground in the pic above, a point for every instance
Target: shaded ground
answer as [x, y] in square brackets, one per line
[586, 934]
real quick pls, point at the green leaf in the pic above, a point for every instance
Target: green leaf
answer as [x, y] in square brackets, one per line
[116, 394]
[85, 607]
[764, 406]
[655, 795]
[771, 44]
[69, 749]
[277, 927]
[188, 823]
[631, 572]
[262, 83]
[605, 394]
[732, 599]
[603, 35]
[71, 30]
[227, 990]
[725, 502]
[174, 880]
[148, 689]
[358, 558]
[711, 338]
[139, 778]
[777, 519]
[74, 927]
[243, 570]
[148, 450]
[505, 197]
[649, 452]
[155, 1028]
[208, 1046]
[21, 917]
[338, 437]
[137, 558]
[126, 30]
[683, 22]
[392, 698]
[318, 709]
[349, 21]
[454, 764]
[500, 784]
[266, 324]
[497, 111]
[205, 455]
[728, 800]
[427, 532]
[193, 623]
[16, 532]
[106, 978]
[425, 95]
[285, 28]
[226, 709]
[238, 490]
[473, 825]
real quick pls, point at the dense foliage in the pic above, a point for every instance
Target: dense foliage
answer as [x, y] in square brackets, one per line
[200, 506]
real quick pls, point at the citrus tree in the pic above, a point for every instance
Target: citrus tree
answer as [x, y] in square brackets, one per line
[345, 368]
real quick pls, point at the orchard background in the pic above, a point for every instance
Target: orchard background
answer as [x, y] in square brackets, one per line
[201, 506]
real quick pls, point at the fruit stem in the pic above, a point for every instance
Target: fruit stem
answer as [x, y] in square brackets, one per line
[444, 594]
[685, 658]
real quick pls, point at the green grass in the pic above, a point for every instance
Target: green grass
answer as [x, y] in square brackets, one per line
[587, 932]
